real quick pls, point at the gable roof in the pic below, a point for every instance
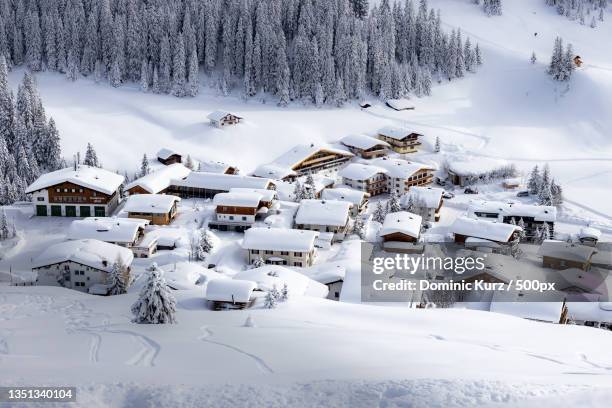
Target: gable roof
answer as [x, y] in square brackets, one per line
[93, 178]
[363, 142]
[241, 199]
[399, 168]
[219, 114]
[396, 133]
[269, 276]
[220, 182]
[402, 222]
[160, 179]
[429, 196]
[230, 290]
[323, 212]
[358, 171]
[494, 231]
[107, 229]
[150, 203]
[279, 239]
[166, 153]
[344, 194]
[89, 252]
[565, 250]
[544, 213]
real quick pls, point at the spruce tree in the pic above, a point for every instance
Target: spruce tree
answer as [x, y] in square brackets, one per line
[156, 303]
[117, 286]
[144, 166]
[91, 158]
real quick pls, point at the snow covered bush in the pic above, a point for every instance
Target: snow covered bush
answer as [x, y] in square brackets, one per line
[156, 303]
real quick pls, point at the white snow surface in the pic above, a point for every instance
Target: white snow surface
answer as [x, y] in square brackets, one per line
[88, 252]
[230, 290]
[240, 199]
[429, 196]
[479, 228]
[362, 142]
[150, 203]
[107, 229]
[323, 212]
[279, 239]
[348, 195]
[89, 177]
[268, 277]
[402, 222]
[160, 179]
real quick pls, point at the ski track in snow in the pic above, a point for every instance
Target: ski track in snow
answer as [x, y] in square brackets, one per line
[259, 362]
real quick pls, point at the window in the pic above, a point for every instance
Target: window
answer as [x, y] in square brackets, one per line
[337, 294]
[231, 217]
[284, 253]
[40, 199]
[255, 251]
[297, 264]
[269, 252]
[65, 190]
[57, 190]
[80, 190]
[74, 190]
[243, 218]
[297, 254]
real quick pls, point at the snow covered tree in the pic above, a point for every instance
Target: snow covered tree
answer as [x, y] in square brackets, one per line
[144, 166]
[393, 204]
[521, 223]
[193, 78]
[258, 263]
[492, 7]
[309, 188]
[205, 245]
[535, 180]
[379, 213]
[156, 303]
[561, 64]
[189, 163]
[478, 55]
[144, 76]
[272, 298]
[544, 233]
[360, 8]
[117, 285]
[178, 71]
[533, 58]
[556, 192]
[437, 145]
[5, 229]
[284, 293]
[91, 158]
[359, 227]
[298, 192]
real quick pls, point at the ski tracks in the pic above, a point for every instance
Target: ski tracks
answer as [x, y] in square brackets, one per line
[259, 362]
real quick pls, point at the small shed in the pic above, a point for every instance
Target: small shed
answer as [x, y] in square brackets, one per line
[226, 294]
[167, 157]
[222, 118]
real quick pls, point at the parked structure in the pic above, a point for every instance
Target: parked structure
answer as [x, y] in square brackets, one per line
[79, 264]
[207, 185]
[302, 160]
[496, 232]
[324, 216]
[168, 157]
[279, 246]
[563, 255]
[425, 201]
[81, 191]
[125, 232]
[357, 199]
[158, 181]
[366, 146]
[401, 140]
[222, 119]
[159, 209]
[400, 231]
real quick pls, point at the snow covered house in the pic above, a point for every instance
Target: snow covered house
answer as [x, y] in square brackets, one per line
[302, 160]
[227, 294]
[364, 177]
[468, 171]
[589, 236]
[79, 264]
[221, 119]
[158, 181]
[268, 277]
[400, 231]
[168, 157]
[357, 199]
[465, 228]
[564, 255]
[76, 192]
[532, 216]
[400, 140]
[279, 246]
[206, 185]
[324, 216]
[331, 275]
[211, 166]
[159, 209]
[125, 232]
[366, 146]
[425, 201]
[237, 211]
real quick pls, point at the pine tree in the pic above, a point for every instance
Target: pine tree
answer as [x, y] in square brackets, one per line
[309, 188]
[178, 71]
[535, 180]
[437, 145]
[205, 245]
[5, 231]
[144, 166]
[393, 204]
[556, 193]
[258, 263]
[379, 213]
[359, 227]
[52, 150]
[156, 303]
[117, 284]
[478, 55]
[284, 294]
[193, 79]
[270, 301]
[91, 158]
[533, 58]
[189, 163]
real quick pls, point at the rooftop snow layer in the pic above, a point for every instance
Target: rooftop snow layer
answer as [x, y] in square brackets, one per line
[429, 196]
[590, 232]
[211, 166]
[398, 168]
[362, 142]
[472, 166]
[358, 171]
[544, 213]
[238, 199]
[230, 290]
[107, 229]
[323, 212]
[150, 203]
[402, 222]
[166, 153]
[220, 182]
[218, 115]
[494, 231]
[266, 195]
[566, 250]
[344, 194]
[269, 276]
[279, 239]
[93, 178]
[160, 179]
[89, 252]
[396, 133]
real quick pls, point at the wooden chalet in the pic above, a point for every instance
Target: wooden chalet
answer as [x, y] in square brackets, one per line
[159, 209]
[401, 140]
[167, 157]
[400, 231]
[365, 146]
[222, 119]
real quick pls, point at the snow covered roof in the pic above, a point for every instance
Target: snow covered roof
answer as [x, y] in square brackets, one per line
[93, 178]
[362, 142]
[429, 196]
[494, 231]
[274, 171]
[167, 237]
[396, 133]
[543, 213]
[269, 276]
[166, 153]
[402, 222]
[399, 104]
[325, 273]
[230, 290]
[399, 168]
[279, 239]
[589, 232]
[238, 199]
[218, 115]
[358, 171]
[323, 212]
[108, 229]
[565, 250]
[89, 252]
[160, 179]
[184, 275]
[266, 195]
[344, 194]
[475, 165]
[596, 281]
[211, 166]
[150, 203]
[221, 182]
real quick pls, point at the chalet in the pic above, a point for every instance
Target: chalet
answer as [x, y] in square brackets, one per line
[365, 146]
[303, 160]
[159, 209]
[268, 277]
[269, 198]
[331, 276]
[364, 177]
[357, 199]
[401, 140]
[79, 264]
[589, 236]
[324, 216]
[82, 191]
[211, 166]
[207, 185]
[279, 246]
[399, 104]
[469, 171]
[532, 216]
[221, 119]
[400, 231]
[125, 232]
[228, 294]
[236, 210]
[167, 157]
[158, 181]
[425, 201]
[563, 255]
[497, 232]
